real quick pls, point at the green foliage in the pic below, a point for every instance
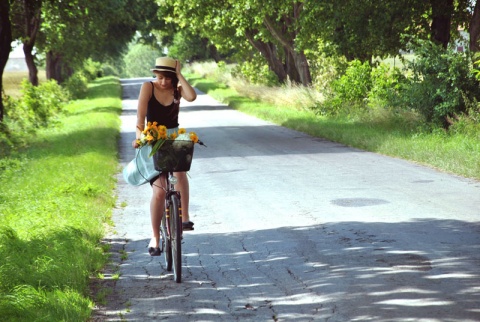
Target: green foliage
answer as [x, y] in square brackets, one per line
[360, 29]
[386, 84]
[355, 84]
[188, 47]
[388, 131]
[325, 68]
[442, 84]
[18, 118]
[140, 59]
[468, 124]
[349, 92]
[110, 70]
[92, 69]
[38, 106]
[44, 101]
[255, 71]
[77, 85]
[37, 280]
[49, 235]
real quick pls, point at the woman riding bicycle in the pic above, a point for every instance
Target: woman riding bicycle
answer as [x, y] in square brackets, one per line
[159, 101]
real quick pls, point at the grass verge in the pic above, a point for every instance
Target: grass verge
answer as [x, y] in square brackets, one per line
[451, 152]
[55, 198]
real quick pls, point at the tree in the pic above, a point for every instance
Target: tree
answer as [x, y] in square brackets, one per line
[442, 11]
[139, 60]
[363, 29]
[26, 20]
[271, 27]
[5, 45]
[75, 30]
[474, 28]
[68, 32]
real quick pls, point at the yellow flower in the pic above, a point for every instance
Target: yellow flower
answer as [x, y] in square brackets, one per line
[193, 137]
[149, 137]
[173, 136]
[162, 136]
[162, 129]
[154, 132]
[182, 131]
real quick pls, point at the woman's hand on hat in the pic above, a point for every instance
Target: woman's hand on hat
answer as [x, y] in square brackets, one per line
[177, 66]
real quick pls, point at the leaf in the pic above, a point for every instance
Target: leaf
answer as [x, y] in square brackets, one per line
[156, 147]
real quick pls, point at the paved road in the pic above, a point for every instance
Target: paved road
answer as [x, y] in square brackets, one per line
[294, 228]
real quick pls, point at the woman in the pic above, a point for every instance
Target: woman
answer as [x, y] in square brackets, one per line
[159, 102]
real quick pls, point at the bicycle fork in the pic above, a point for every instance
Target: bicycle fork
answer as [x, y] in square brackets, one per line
[167, 209]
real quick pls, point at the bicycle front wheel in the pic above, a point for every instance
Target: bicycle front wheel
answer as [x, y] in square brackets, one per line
[176, 237]
[166, 243]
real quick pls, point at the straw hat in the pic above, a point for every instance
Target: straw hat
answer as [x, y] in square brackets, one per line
[165, 64]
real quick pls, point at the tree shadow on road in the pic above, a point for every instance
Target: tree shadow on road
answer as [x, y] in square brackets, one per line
[339, 271]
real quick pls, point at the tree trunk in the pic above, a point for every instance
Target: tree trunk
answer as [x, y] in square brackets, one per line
[302, 73]
[30, 60]
[52, 68]
[442, 11]
[5, 44]
[302, 67]
[291, 68]
[56, 68]
[268, 51]
[474, 28]
[32, 26]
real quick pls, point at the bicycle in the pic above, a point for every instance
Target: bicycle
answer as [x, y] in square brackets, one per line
[173, 156]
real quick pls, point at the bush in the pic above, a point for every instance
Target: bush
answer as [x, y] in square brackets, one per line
[349, 92]
[386, 85]
[44, 101]
[109, 70]
[441, 85]
[35, 108]
[77, 85]
[256, 71]
[188, 47]
[92, 70]
[139, 60]
[325, 69]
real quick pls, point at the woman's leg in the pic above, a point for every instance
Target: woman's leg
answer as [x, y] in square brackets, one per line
[157, 205]
[184, 189]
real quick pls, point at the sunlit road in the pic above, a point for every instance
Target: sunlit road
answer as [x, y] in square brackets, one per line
[294, 228]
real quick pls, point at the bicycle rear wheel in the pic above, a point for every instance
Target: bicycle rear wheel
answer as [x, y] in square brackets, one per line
[176, 237]
[167, 243]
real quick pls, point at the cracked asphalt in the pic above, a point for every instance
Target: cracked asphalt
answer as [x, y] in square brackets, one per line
[294, 228]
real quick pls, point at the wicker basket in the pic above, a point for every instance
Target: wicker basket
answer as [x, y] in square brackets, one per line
[174, 156]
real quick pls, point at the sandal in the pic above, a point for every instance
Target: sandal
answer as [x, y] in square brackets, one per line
[154, 251]
[188, 225]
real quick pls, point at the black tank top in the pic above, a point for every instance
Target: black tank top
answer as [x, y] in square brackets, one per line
[163, 115]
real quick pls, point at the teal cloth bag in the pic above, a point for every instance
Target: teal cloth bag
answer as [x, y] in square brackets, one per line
[141, 169]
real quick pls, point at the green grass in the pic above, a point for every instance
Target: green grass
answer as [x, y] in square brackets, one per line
[397, 136]
[55, 198]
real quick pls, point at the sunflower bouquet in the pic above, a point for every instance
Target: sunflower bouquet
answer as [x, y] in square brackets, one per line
[171, 152]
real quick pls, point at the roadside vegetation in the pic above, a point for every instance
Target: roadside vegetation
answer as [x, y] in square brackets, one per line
[56, 195]
[316, 67]
[373, 120]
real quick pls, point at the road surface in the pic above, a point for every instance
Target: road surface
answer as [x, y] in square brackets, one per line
[290, 227]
